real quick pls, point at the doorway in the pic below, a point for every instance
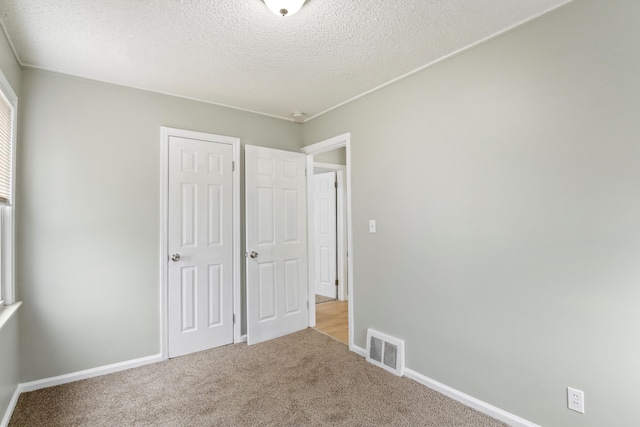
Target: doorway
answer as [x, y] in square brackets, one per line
[325, 235]
[333, 155]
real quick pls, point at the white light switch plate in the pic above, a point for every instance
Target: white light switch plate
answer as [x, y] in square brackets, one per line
[372, 226]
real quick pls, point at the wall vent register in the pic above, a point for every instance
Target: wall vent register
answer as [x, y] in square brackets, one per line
[385, 351]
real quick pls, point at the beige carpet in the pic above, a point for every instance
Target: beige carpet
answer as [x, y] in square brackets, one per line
[304, 379]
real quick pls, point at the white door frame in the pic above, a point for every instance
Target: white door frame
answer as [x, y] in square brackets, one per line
[339, 141]
[165, 134]
[341, 224]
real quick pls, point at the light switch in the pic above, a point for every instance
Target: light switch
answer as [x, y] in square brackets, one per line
[372, 226]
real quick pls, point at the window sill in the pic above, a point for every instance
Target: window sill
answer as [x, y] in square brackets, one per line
[6, 312]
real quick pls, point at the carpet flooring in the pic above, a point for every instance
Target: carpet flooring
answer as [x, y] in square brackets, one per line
[304, 379]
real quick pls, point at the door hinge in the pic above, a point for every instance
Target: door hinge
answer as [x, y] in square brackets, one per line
[336, 184]
[305, 172]
[336, 282]
[233, 166]
[307, 304]
[234, 318]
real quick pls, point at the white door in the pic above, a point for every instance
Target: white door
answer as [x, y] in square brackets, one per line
[324, 206]
[200, 247]
[276, 221]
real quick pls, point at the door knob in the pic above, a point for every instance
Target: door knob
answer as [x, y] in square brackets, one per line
[175, 257]
[253, 254]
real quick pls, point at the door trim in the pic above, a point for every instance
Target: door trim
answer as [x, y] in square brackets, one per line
[339, 141]
[165, 134]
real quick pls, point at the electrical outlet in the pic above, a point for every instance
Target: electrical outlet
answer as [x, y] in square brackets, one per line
[575, 400]
[372, 226]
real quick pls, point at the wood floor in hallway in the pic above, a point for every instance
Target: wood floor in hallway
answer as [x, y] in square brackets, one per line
[332, 318]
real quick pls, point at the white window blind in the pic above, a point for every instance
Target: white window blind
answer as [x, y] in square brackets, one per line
[6, 129]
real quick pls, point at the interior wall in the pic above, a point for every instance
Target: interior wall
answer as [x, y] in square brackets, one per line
[9, 368]
[504, 183]
[9, 371]
[88, 231]
[8, 64]
[335, 157]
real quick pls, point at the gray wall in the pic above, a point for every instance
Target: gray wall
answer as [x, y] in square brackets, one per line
[336, 157]
[88, 230]
[9, 332]
[9, 367]
[8, 64]
[505, 184]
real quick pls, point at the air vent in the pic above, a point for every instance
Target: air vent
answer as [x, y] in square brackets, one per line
[385, 351]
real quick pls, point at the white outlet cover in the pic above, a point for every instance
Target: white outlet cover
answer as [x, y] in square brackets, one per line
[575, 400]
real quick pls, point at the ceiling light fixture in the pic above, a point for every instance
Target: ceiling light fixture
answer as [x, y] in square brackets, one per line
[284, 7]
[298, 116]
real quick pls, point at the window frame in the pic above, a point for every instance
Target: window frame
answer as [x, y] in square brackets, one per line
[7, 222]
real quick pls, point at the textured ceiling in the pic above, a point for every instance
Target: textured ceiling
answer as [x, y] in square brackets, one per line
[238, 53]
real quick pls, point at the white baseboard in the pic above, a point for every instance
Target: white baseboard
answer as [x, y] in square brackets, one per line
[358, 350]
[472, 402]
[88, 373]
[74, 376]
[478, 405]
[465, 399]
[10, 408]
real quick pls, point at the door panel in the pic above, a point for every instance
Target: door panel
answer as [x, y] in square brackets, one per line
[200, 282]
[189, 309]
[325, 234]
[215, 295]
[215, 214]
[267, 290]
[277, 292]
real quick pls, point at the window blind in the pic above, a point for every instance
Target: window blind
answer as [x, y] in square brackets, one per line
[6, 138]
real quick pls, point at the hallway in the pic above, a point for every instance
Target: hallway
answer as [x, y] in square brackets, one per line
[332, 318]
